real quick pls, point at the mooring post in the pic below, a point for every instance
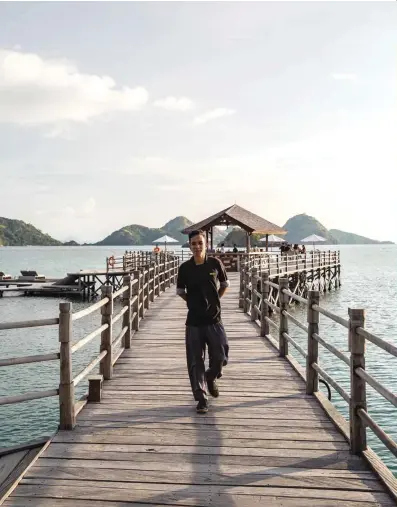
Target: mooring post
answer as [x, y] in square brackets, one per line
[254, 297]
[284, 299]
[67, 419]
[358, 396]
[106, 366]
[313, 318]
[265, 289]
[127, 295]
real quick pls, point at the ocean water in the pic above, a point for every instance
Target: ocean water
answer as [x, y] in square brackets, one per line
[369, 281]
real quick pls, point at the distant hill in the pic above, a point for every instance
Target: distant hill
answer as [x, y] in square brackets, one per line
[348, 238]
[71, 243]
[19, 233]
[301, 226]
[140, 235]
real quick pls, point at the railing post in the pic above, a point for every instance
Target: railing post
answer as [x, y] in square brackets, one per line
[254, 297]
[152, 280]
[284, 299]
[246, 282]
[313, 318]
[157, 278]
[265, 289]
[146, 281]
[358, 397]
[127, 295]
[141, 294]
[106, 367]
[135, 292]
[67, 418]
[241, 293]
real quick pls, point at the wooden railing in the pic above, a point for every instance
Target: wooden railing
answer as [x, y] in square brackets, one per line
[132, 260]
[282, 264]
[139, 290]
[258, 305]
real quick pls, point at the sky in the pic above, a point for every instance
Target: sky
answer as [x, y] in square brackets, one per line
[121, 113]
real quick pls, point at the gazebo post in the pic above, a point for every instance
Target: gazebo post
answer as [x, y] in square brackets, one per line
[248, 242]
[267, 242]
[206, 237]
[212, 238]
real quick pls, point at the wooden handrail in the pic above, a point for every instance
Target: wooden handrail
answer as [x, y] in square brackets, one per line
[379, 342]
[88, 338]
[38, 358]
[360, 419]
[29, 323]
[89, 310]
[135, 301]
[36, 395]
[88, 369]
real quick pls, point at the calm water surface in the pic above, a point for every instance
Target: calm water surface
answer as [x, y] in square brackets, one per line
[369, 280]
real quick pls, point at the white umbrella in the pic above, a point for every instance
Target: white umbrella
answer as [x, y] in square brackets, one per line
[313, 239]
[273, 239]
[165, 239]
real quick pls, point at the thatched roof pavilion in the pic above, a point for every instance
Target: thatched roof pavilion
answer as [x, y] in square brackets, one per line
[236, 215]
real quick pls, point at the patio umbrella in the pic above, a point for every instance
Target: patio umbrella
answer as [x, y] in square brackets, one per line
[273, 239]
[314, 238]
[165, 239]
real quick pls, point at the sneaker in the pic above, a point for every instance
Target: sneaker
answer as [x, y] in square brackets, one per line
[212, 387]
[202, 407]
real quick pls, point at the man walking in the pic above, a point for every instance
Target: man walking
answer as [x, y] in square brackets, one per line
[197, 284]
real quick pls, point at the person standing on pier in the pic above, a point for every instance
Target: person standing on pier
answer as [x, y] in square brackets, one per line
[197, 284]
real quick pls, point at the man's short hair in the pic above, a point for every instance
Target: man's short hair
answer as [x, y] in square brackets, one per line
[198, 232]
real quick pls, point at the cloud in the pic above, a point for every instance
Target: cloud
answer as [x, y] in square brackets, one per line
[214, 114]
[175, 103]
[89, 206]
[344, 76]
[38, 91]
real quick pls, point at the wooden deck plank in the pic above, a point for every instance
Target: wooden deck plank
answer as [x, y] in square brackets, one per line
[263, 442]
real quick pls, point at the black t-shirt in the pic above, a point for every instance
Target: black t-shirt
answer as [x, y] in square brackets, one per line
[199, 281]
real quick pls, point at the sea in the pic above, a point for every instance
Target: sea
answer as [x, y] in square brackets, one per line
[369, 281]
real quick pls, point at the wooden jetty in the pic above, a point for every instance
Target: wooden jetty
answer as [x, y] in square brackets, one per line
[313, 270]
[271, 438]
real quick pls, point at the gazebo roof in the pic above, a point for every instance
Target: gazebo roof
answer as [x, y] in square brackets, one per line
[239, 216]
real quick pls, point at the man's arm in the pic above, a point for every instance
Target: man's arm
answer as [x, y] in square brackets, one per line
[181, 284]
[222, 277]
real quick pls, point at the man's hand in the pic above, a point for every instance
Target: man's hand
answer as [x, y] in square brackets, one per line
[221, 291]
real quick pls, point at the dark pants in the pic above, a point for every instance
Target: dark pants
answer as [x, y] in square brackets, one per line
[197, 338]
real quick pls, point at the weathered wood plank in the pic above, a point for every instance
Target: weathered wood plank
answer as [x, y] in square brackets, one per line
[331, 460]
[169, 439]
[205, 450]
[195, 477]
[222, 500]
[126, 491]
[217, 468]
